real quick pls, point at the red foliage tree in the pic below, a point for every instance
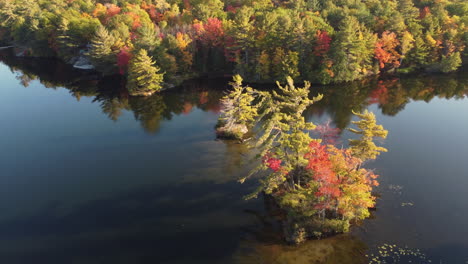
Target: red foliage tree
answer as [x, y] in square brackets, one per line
[136, 20]
[423, 12]
[112, 10]
[231, 9]
[272, 163]
[123, 57]
[210, 33]
[323, 173]
[322, 44]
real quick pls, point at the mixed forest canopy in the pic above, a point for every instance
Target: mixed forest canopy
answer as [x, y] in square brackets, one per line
[320, 41]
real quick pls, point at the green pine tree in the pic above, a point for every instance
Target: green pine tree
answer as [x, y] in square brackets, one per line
[451, 62]
[101, 53]
[148, 37]
[285, 64]
[238, 111]
[352, 51]
[284, 132]
[65, 43]
[420, 53]
[144, 78]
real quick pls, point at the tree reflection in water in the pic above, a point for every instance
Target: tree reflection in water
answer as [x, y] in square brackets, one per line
[391, 94]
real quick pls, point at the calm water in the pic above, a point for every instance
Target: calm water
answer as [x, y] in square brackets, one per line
[90, 175]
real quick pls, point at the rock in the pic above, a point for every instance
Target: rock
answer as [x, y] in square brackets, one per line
[142, 93]
[83, 63]
[234, 132]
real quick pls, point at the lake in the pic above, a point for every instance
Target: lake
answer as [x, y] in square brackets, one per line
[91, 175]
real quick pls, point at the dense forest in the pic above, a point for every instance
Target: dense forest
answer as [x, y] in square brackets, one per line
[162, 42]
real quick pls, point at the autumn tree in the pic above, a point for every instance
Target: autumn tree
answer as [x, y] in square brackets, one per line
[386, 50]
[123, 58]
[322, 43]
[209, 38]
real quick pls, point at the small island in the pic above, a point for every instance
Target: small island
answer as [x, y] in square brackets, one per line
[321, 189]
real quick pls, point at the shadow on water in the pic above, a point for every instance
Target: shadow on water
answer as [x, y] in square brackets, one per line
[169, 224]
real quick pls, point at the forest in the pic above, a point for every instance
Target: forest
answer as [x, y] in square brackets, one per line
[158, 43]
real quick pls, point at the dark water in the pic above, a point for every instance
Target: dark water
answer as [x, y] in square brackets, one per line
[91, 175]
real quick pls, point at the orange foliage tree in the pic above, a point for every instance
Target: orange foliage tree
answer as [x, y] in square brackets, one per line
[385, 50]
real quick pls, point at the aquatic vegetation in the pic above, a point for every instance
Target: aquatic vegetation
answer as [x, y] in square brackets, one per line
[388, 254]
[407, 204]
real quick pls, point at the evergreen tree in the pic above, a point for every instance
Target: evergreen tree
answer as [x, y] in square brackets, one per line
[238, 111]
[242, 31]
[407, 43]
[284, 133]
[451, 62]
[408, 10]
[101, 51]
[66, 46]
[285, 64]
[148, 38]
[420, 53]
[143, 77]
[204, 9]
[352, 50]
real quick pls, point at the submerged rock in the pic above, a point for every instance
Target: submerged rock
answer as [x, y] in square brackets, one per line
[339, 249]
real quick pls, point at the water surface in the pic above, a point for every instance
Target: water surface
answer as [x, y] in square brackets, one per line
[91, 175]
